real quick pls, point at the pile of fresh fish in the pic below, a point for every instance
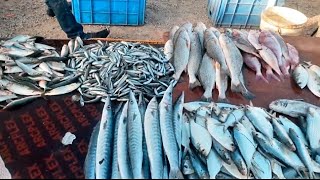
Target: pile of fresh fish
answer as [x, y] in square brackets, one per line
[204, 140]
[116, 68]
[211, 57]
[31, 69]
[308, 75]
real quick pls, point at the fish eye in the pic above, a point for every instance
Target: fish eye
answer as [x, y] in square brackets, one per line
[109, 107]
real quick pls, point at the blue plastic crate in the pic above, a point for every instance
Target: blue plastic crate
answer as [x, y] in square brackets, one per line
[109, 12]
[239, 13]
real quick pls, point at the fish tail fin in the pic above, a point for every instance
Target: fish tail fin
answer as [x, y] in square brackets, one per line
[246, 93]
[271, 75]
[175, 174]
[235, 87]
[194, 84]
[223, 100]
[316, 167]
[259, 76]
[207, 96]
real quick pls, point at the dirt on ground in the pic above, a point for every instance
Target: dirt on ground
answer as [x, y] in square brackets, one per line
[29, 17]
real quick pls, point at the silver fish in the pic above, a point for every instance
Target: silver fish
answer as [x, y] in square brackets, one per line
[123, 149]
[19, 89]
[177, 121]
[301, 76]
[90, 161]
[195, 58]
[207, 80]
[199, 167]
[105, 142]
[245, 143]
[214, 49]
[200, 29]
[260, 120]
[135, 136]
[64, 51]
[288, 124]
[22, 101]
[200, 138]
[221, 135]
[313, 122]
[261, 166]
[181, 53]
[145, 164]
[233, 117]
[239, 162]
[115, 166]
[282, 134]
[303, 152]
[167, 133]
[153, 139]
[281, 152]
[168, 50]
[221, 83]
[173, 31]
[187, 167]
[214, 164]
[234, 61]
[314, 83]
[223, 153]
[293, 108]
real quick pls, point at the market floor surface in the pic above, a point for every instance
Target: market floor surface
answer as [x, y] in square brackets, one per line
[29, 17]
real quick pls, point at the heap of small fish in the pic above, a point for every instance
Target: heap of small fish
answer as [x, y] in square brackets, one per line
[308, 75]
[32, 70]
[96, 70]
[211, 57]
[202, 140]
[116, 68]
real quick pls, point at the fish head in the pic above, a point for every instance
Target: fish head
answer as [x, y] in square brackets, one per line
[313, 112]
[167, 97]
[187, 166]
[293, 134]
[278, 105]
[259, 137]
[187, 26]
[153, 104]
[107, 103]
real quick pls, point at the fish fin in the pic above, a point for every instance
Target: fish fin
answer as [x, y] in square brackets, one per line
[235, 88]
[271, 75]
[207, 97]
[175, 174]
[246, 93]
[261, 77]
[194, 84]
[316, 166]
[223, 100]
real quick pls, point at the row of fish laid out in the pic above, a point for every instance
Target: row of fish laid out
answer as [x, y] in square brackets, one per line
[308, 75]
[162, 140]
[33, 70]
[211, 57]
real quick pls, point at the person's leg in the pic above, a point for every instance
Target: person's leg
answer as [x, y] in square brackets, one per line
[65, 18]
[68, 23]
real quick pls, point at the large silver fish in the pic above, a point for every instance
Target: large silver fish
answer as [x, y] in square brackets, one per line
[135, 136]
[105, 142]
[181, 53]
[153, 139]
[214, 50]
[195, 59]
[167, 133]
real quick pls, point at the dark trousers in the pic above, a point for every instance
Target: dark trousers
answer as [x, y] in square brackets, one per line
[65, 18]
